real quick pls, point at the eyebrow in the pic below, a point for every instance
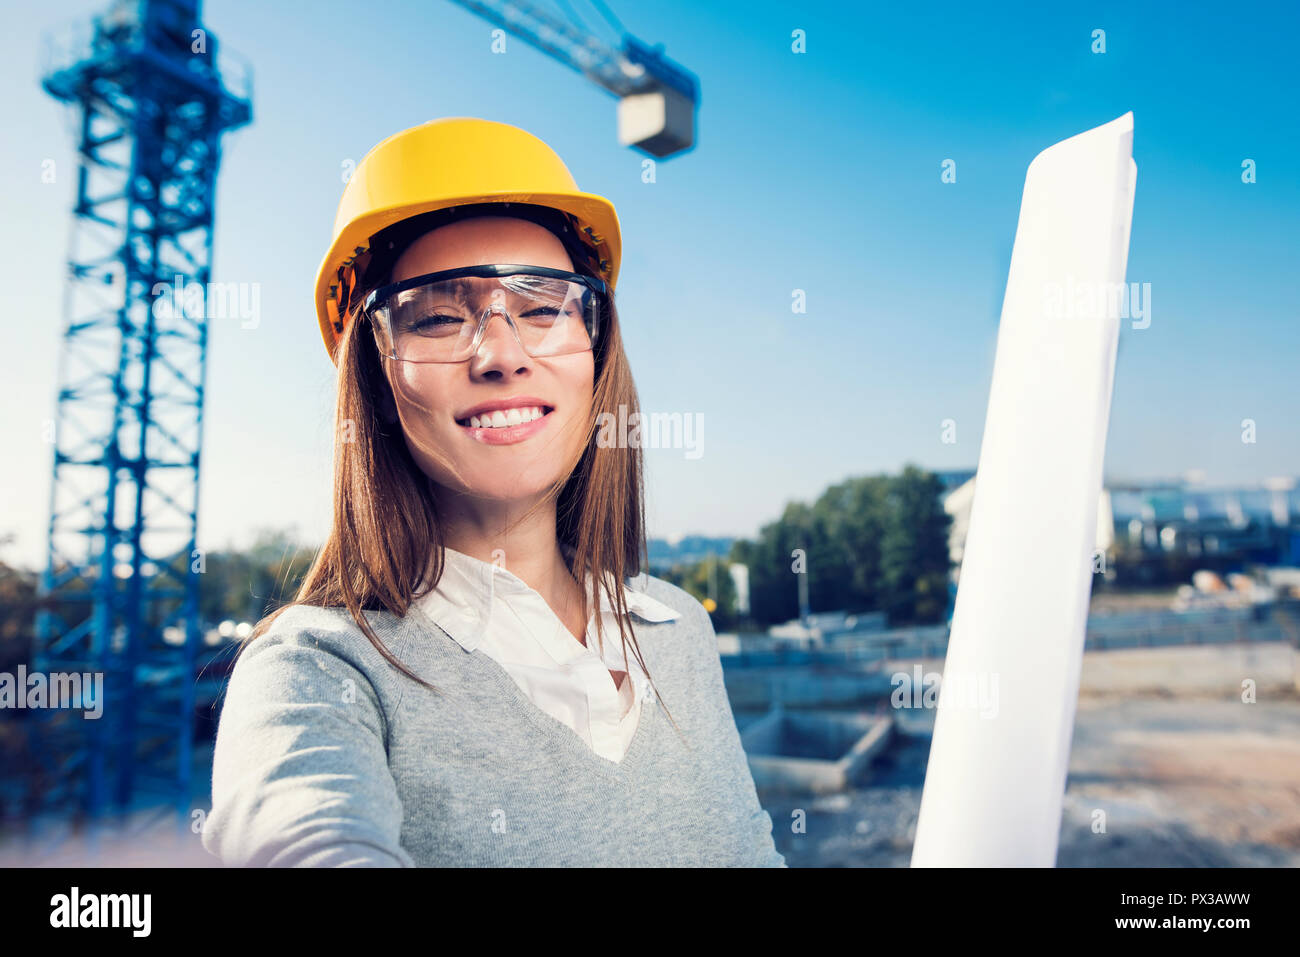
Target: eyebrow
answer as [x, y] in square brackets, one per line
[460, 288]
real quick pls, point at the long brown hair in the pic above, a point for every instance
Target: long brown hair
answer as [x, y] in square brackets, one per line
[386, 538]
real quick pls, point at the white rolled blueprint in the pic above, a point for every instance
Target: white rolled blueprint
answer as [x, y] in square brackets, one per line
[996, 775]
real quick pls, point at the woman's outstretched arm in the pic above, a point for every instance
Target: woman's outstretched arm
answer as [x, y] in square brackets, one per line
[300, 773]
[737, 777]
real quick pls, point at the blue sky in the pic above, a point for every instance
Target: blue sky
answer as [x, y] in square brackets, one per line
[817, 171]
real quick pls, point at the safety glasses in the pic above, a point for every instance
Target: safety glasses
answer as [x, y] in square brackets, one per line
[443, 316]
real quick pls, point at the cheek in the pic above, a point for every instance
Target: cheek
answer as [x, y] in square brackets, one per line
[577, 383]
[581, 382]
[420, 394]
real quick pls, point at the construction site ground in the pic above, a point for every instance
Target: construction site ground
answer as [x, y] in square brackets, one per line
[1186, 772]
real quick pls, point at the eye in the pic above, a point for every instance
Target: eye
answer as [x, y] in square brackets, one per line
[433, 324]
[549, 314]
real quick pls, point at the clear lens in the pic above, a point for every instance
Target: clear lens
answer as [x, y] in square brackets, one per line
[438, 321]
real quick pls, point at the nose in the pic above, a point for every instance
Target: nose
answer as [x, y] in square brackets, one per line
[500, 353]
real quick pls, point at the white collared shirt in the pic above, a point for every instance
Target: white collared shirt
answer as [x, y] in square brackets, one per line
[482, 605]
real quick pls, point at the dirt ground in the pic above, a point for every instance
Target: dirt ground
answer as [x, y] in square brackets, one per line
[1103, 602]
[1187, 773]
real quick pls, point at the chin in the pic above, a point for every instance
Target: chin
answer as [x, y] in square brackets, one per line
[502, 483]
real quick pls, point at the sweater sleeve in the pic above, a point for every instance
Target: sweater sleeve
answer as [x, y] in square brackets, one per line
[761, 848]
[300, 773]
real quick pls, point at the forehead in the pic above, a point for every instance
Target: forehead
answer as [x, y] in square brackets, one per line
[479, 289]
[481, 241]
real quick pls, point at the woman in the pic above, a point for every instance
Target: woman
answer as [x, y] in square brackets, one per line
[446, 688]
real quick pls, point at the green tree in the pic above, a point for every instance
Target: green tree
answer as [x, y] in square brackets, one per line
[18, 605]
[246, 585]
[870, 543]
[709, 578]
[914, 562]
[849, 519]
[773, 584]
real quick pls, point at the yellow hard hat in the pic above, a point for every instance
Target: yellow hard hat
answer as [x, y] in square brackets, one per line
[445, 163]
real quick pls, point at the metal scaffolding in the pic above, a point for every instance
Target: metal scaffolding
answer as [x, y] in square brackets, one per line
[151, 100]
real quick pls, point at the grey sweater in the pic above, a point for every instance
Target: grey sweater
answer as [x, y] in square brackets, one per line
[326, 755]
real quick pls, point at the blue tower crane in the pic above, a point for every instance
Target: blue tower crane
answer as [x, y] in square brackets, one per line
[152, 98]
[657, 98]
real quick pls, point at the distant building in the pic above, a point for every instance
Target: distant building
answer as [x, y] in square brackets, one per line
[1149, 521]
[740, 578]
[685, 550]
[1253, 523]
[954, 478]
[823, 628]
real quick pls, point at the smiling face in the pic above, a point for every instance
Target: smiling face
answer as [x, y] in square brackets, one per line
[438, 403]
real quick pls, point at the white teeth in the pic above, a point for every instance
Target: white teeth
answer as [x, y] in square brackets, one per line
[505, 418]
